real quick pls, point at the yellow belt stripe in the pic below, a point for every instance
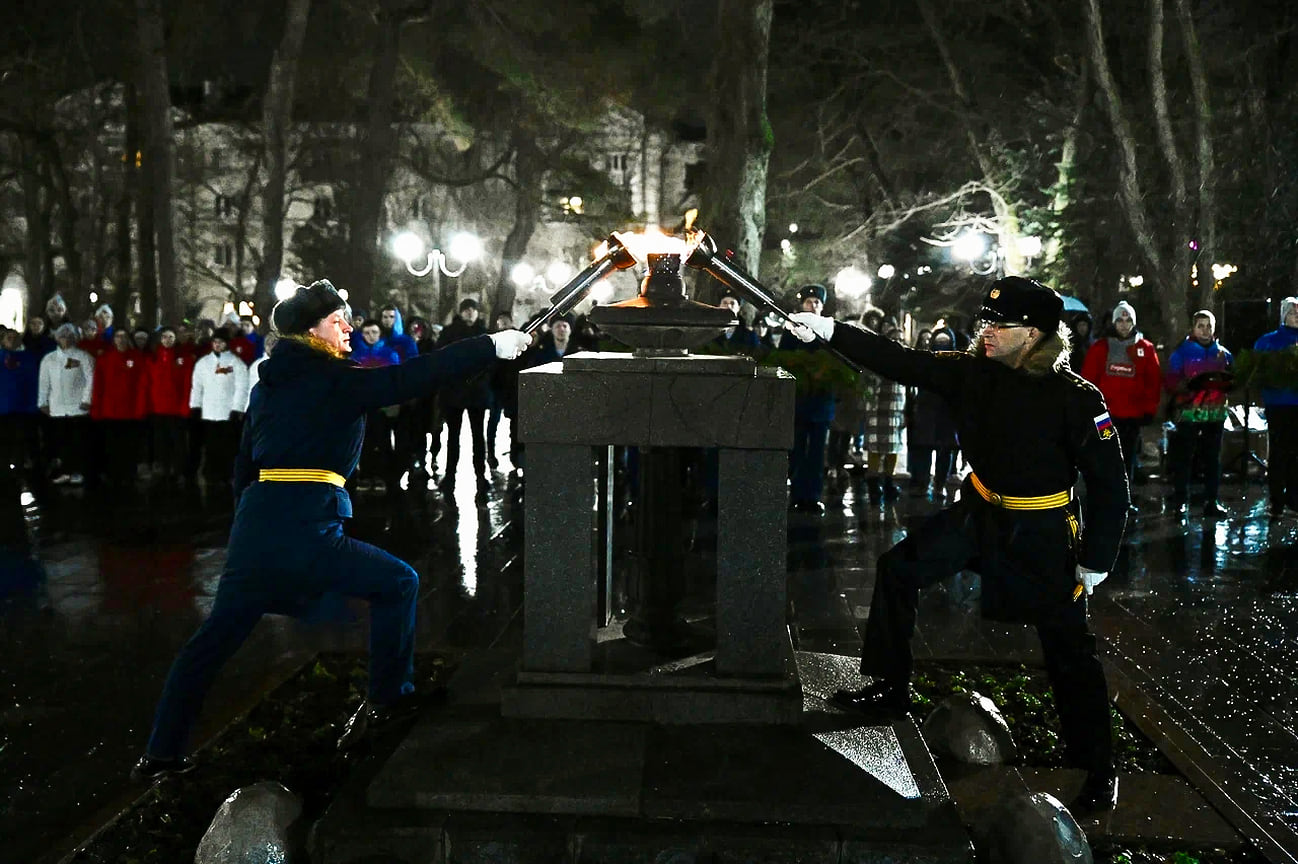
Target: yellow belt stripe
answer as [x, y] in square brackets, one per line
[300, 475]
[1010, 502]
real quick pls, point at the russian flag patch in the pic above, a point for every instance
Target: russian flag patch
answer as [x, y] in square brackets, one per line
[1104, 426]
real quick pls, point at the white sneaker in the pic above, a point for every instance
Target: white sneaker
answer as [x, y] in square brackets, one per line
[62, 479]
[77, 480]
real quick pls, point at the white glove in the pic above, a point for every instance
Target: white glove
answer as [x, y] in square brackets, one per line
[1088, 579]
[811, 325]
[510, 343]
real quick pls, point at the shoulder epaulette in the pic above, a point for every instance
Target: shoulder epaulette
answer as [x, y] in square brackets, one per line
[1078, 381]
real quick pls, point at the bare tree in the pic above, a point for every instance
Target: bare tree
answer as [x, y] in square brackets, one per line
[277, 112]
[1168, 253]
[740, 137]
[377, 145]
[159, 155]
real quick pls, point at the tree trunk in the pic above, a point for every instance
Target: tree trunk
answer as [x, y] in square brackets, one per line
[1207, 168]
[130, 191]
[36, 268]
[529, 170]
[1068, 158]
[1168, 286]
[57, 179]
[146, 251]
[378, 141]
[277, 117]
[740, 138]
[158, 157]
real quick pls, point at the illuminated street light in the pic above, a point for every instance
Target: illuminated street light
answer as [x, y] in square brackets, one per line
[1135, 281]
[558, 273]
[1221, 271]
[284, 288]
[969, 246]
[793, 227]
[887, 271]
[852, 282]
[466, 247]
[410, 247]
[522, 274]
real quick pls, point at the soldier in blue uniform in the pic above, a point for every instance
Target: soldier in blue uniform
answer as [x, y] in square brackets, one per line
[302, 438]
[1027, 426]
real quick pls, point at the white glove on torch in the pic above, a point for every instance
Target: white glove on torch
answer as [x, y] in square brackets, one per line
[1088, 579]
[510, 343]
[811, 325]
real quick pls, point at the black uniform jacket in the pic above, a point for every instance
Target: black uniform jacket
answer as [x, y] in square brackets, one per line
[1026, 432]
[308, 411]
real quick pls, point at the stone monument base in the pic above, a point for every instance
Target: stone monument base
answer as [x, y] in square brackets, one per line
[470, 785]
[628, 686]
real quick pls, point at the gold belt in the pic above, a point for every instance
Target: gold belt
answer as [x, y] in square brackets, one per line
[300, 475]
[1011, 502]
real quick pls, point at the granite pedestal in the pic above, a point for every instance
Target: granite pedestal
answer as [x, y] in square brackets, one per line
[591, 402]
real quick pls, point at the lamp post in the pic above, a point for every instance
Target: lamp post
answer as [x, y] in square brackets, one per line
[410, 247]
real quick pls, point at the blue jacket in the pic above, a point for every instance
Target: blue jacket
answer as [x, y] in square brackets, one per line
[378, 354]
[398, 341]
[19, 376]
[308, 411]
[1278, 340]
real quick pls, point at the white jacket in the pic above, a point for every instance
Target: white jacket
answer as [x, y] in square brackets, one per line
[66, 379]
[220, 386]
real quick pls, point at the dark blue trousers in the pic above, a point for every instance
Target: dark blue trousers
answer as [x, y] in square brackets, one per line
[341, 565]
[807, 461]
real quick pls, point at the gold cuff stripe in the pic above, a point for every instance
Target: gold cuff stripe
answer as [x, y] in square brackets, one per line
[300, 475]
[1011, 502]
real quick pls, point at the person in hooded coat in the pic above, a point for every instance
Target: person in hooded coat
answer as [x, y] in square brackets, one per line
[288, 552]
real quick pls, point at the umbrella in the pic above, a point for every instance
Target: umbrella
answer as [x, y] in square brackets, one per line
[1072, 304]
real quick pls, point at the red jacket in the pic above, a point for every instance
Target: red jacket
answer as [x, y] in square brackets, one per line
[171, 372]
[95, 346]
[243, 348]
[1131, 386]
[119, 391]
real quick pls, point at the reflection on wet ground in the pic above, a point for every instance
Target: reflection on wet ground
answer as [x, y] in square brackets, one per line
[95, 609]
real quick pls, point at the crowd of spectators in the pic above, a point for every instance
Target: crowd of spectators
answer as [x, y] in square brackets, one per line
[96, 404]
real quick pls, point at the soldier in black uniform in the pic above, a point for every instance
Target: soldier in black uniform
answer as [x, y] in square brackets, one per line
[1027, 426]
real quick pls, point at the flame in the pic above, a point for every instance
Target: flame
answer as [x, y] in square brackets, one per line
[655, 241]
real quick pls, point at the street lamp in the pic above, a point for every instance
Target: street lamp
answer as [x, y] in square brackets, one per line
[887, 271]
[410, 247]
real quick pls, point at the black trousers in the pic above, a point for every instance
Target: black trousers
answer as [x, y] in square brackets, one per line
[171, 444]
[1282, 455]
[956, 539]
[477, 434]
[1193, 443]
[1129, 438]
[122, 447]
[220, 447]
[71, 443]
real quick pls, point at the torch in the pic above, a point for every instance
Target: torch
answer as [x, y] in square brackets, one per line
[707, 258]
[617, 257]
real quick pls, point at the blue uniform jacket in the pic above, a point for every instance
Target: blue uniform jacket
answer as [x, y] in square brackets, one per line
[1278, 340]
[19, 373]
[308, 411]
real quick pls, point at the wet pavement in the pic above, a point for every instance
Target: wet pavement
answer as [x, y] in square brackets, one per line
[1200, 627]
